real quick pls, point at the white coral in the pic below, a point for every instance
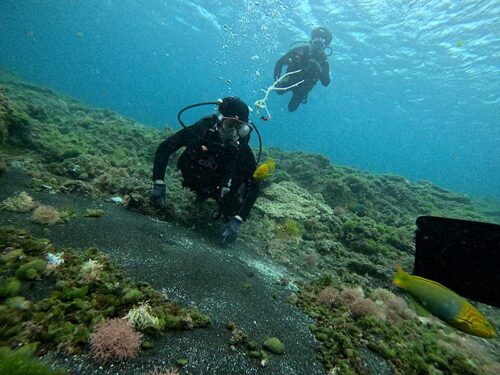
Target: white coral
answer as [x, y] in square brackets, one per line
[141, 317]
[287, 200]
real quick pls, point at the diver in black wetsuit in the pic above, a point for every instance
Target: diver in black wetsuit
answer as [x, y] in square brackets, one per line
[217, 163]
[312, 61]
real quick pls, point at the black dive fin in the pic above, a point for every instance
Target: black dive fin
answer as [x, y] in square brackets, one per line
[460, 254]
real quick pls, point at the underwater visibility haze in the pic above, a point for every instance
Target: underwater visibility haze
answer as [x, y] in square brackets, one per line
[415, 84]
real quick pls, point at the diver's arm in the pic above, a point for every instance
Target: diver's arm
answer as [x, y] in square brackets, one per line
[283, 60]
[324, 76]
[165, 149]
[252, 185]
[251, 194]
[173, 143]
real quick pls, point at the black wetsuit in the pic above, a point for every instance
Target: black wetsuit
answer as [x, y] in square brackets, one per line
[313, 66]
[207, 166]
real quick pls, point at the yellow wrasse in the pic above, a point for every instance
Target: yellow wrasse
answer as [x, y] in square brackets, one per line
[265, 169]
[445, 304]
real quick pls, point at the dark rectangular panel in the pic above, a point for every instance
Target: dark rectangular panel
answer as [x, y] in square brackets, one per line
[460, 254]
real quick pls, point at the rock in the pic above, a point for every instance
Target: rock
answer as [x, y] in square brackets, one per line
[31, 270]
[274, 345]
[93, 212]
[132, 296]
[76, 186]
[10, 287]
[117, 200]
[18, 303]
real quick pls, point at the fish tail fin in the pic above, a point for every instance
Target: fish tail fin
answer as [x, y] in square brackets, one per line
[271, 164]
[401, 277]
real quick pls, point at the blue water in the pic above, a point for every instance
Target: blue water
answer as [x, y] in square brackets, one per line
[415, 84]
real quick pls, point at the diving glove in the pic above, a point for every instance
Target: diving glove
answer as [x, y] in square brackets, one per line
[158, 193]
[231, 230]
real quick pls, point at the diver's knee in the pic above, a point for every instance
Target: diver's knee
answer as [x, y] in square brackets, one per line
[293, 105]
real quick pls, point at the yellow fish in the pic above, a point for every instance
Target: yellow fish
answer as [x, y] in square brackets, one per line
[445, 304]
[265, 169]
[459, 43]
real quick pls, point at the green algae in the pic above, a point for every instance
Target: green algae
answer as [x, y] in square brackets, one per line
[132, 296]
[274, 345]
[240, 339]
[343, 339]
[74, 305]
[4, 111]
[94, 212]
[18, 303]
[9, 287]
[31, 270]
[290, 229]
[22, 362]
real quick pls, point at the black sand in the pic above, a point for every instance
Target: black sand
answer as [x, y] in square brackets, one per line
[228, 284]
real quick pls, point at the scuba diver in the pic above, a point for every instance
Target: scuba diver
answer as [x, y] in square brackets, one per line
[312, 62]
[217, 163]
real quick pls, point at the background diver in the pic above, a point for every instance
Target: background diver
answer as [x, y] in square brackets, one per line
[217, 163]
[312, 62]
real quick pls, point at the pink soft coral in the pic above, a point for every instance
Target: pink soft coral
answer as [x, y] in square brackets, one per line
[114, 339]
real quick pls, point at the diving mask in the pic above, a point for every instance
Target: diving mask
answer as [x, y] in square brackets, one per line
[318, 44]
[233, 129]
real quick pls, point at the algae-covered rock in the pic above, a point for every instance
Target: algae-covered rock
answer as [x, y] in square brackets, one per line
[77, 186]
[65, 318]
[289, 229]
[12, 256]
[274, 345]
[46, 215]
[4, 112]
[93, 212]
[10, 362]
[19, 203]
[10, 287]
[75, 293]
[199, 320]
[81, 334]
[258, 354]
[18, 303]
[19, 129]
[132, 296]
[60, 331]
[37, 246]
[171, 321]
[31, 270]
